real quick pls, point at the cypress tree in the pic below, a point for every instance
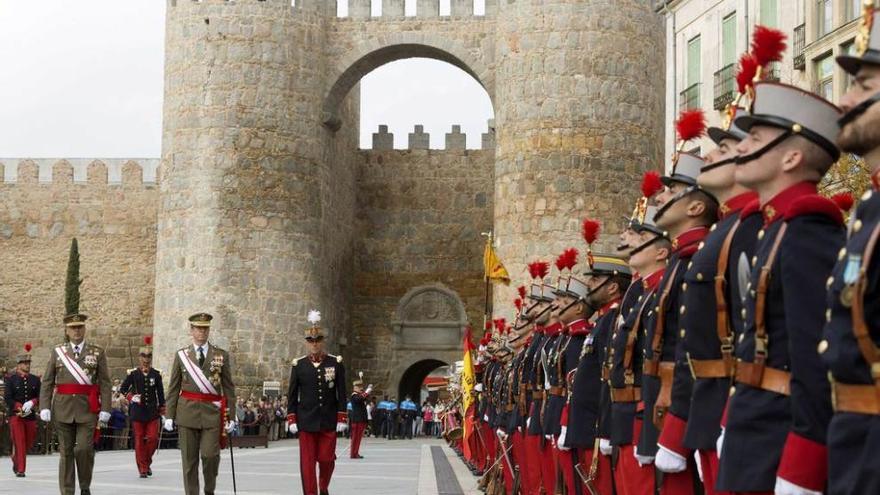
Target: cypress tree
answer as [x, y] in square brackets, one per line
[71, 286]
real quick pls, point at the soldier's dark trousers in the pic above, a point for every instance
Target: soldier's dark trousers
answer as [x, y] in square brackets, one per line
[23, 432]
[357, 433]
[316, 449]
[196, 443]
[146, 439]
[77, 449]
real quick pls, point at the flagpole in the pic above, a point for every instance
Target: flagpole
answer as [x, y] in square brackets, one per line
[486, 316]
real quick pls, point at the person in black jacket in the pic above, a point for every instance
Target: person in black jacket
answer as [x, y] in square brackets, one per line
[22, 394]
[143, 390]
[316, 408]
[358, 416]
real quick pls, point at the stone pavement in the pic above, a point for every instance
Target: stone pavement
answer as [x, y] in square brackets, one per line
[398, 467]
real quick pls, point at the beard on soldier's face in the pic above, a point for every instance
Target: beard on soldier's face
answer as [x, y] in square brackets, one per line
[863, 134]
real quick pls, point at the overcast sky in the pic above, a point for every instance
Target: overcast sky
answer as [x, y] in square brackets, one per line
[82, 79]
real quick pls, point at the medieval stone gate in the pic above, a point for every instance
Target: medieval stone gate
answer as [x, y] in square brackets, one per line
[266, 207]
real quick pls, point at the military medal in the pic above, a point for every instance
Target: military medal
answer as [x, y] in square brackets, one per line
[850, 276]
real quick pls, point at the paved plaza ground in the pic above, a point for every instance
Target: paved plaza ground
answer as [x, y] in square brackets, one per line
[397, 467]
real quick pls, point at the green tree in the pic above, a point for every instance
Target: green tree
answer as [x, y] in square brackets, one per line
[71, 286]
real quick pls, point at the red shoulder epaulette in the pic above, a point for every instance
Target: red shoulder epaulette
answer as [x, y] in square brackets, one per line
[814, 204]
[751, 208]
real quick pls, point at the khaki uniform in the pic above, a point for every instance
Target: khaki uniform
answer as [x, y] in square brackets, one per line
[73, 416]
[199, 422]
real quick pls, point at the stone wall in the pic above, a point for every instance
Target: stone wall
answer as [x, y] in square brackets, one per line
[419, 217]
[43, 205]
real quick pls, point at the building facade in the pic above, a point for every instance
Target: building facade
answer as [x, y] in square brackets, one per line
[705, 39]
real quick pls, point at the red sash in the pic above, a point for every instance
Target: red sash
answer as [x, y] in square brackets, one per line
[77, 389]
[200, 397]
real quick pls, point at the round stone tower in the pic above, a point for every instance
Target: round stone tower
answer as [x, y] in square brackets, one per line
[579, 113]
[245, 181]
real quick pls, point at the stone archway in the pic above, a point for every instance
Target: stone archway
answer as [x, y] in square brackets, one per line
[369, 56]
[410, 383]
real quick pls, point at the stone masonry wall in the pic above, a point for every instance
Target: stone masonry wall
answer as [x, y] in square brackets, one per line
[419, 217]
[115, 225]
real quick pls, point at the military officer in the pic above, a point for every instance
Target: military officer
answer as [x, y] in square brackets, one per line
[777, 417]
[851, 336]
[75, 393]
[358, 415]
[608, 277]
[143, 389]
[201, 402]
[22, 397]
[685, 211]
[648, 249]
[316, 408]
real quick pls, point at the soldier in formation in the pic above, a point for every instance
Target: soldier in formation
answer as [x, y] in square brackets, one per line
[730, 345]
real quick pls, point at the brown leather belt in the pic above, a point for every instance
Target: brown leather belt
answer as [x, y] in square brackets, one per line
[763, 377]
[711, 368]
[628, 393]
[558, 391]
[851, 398]
[651, 367]
[508, 408]
[537, 395]
[606, 373]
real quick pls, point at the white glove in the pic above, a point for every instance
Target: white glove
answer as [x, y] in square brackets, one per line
[699, 463]
[103, 417]
[478, 387]
[605, 446]
[27, 406]
[560, 442]
[341, 427]
[369, 389]
[292, 428]
[643, 460]
[486, 418]
[501, 434]
[719, 443]
[548, 437]
[784, 487]
[46, 415]
[136, 398]
[669, 462]
[169, 424]
[230, 426]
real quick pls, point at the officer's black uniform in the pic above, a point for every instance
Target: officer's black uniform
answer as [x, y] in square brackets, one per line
[152, 393]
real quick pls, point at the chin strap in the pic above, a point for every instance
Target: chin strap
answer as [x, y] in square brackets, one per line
[857, 110]
[639, 249]
[743, 159]
[681, 195]
[713, 166]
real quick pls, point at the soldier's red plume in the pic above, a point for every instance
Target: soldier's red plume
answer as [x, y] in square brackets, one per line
[651, 184]
[745, 75]
[560, 262]
[691, 124]
[522, 291]
[518, 303]
[488, 325]
[500, 323]
[591, 230]
[148, 339]
[570, 257]
[28, 347]
[539, 269]
[844, 201]
[768, 45]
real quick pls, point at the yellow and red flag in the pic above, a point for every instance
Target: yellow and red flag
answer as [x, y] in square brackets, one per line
[468, 381]
[494, 268]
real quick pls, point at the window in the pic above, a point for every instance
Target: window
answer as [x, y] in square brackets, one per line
[768, 13]
[825, 77]
[853, 9]
[693, 61]
[825, 17]
[848, 48]
[728, 40]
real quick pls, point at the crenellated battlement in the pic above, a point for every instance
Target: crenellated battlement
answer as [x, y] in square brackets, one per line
[131, 172]
[361, 10]
[421, 140]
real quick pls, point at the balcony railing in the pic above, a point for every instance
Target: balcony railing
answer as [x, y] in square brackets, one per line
[725, 86]
[774, 72]
[689, 99]
[800, 42]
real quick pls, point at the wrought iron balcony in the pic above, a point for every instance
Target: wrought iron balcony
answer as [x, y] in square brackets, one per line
[689, 99]
[725, 86]
[800, 42]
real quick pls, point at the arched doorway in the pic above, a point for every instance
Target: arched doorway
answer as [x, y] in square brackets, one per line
[412, 379]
